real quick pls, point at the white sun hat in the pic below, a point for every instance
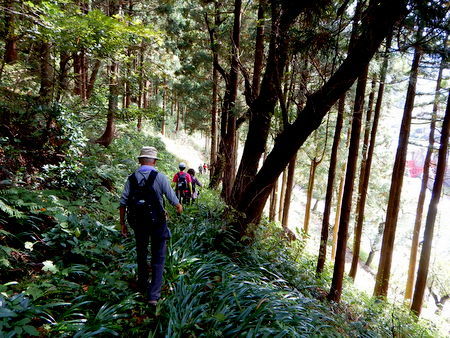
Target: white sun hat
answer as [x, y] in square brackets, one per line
[149, 152]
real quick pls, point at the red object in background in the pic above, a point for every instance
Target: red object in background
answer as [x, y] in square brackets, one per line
[414, 170]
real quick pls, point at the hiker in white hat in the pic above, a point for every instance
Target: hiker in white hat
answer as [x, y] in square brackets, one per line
[143, 203]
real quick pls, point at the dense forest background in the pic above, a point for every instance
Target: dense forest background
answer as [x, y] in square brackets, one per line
[325, 125]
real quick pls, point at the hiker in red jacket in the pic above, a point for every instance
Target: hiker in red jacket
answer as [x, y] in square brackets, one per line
[183, 184]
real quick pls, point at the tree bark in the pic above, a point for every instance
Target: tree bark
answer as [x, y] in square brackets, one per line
[339, 263]
[287, 197]
[229, 103]
[338, 212]
[64, 59]
[330, 183]
[92, 78]
[83, 75]
[259, 49]
[262, 107]
[422, 272]
[423, 190]
[380, 20]
[77, 73]
[387, 246]
[215, 85]
[163, 121]
[113, 102]
[309, 193]
[177, 127]
[11, 54]
[46, 74]
[366, 168]
[362, 187]
[273, 202]
[282, 195]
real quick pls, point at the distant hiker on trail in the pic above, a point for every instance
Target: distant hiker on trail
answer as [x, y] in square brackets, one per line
[195, 182]
[183, 184]
[205, 167]
[200, 169]
[142, 200]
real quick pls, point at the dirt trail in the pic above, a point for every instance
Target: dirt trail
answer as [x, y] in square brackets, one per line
[187, 148]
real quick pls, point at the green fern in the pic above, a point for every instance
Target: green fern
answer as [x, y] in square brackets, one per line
[10, 211]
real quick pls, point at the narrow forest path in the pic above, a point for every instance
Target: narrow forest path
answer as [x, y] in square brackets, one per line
[186, 148]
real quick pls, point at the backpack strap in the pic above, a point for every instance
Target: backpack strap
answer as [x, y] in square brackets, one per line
[133, 182]
[151, 179]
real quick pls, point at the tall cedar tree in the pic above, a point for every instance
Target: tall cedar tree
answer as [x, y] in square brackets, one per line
[365, 174]
[330, 184]
[346, 208]
[362, 186]
[422, 272]
[387, 246]
[250, 197]
[423, 189]
[113, 95]
[225, 165]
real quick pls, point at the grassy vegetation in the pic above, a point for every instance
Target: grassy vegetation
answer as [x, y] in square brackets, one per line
[66, 271]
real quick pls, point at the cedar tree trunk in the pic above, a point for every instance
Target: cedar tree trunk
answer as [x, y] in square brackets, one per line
[339, 263]
[113, 102]
[365, 170]
[330, 184]
[387, 246]
[423, 190]
[424, 262]
[362, 187]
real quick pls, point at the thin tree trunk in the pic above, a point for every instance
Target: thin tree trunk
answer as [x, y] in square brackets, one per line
[229, 141]
[273, 202]
[83, 74]
[108, 135]
[309, 193]
[259, 49]
[316, 203]
[423, 190]
[330, 183]
[366, 168]
[387, 246]
[213, 152]
[92, 78]
[62, 76]
[422, 272]
[282, 195]
[339, 263]
[10, 56]
[77, 73]
[46, 74]
[177, 127]
[362, 187]
[374, 246]
[142, 91]
[287, 197]
[338, 212]
[163, 122]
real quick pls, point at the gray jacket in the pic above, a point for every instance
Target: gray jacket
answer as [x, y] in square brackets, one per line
[161, 186]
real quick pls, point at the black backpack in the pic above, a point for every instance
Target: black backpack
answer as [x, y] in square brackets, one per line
[143, 204]
[182, 184]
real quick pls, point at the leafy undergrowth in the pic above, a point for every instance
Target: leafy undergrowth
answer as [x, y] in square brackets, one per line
[66, 271]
